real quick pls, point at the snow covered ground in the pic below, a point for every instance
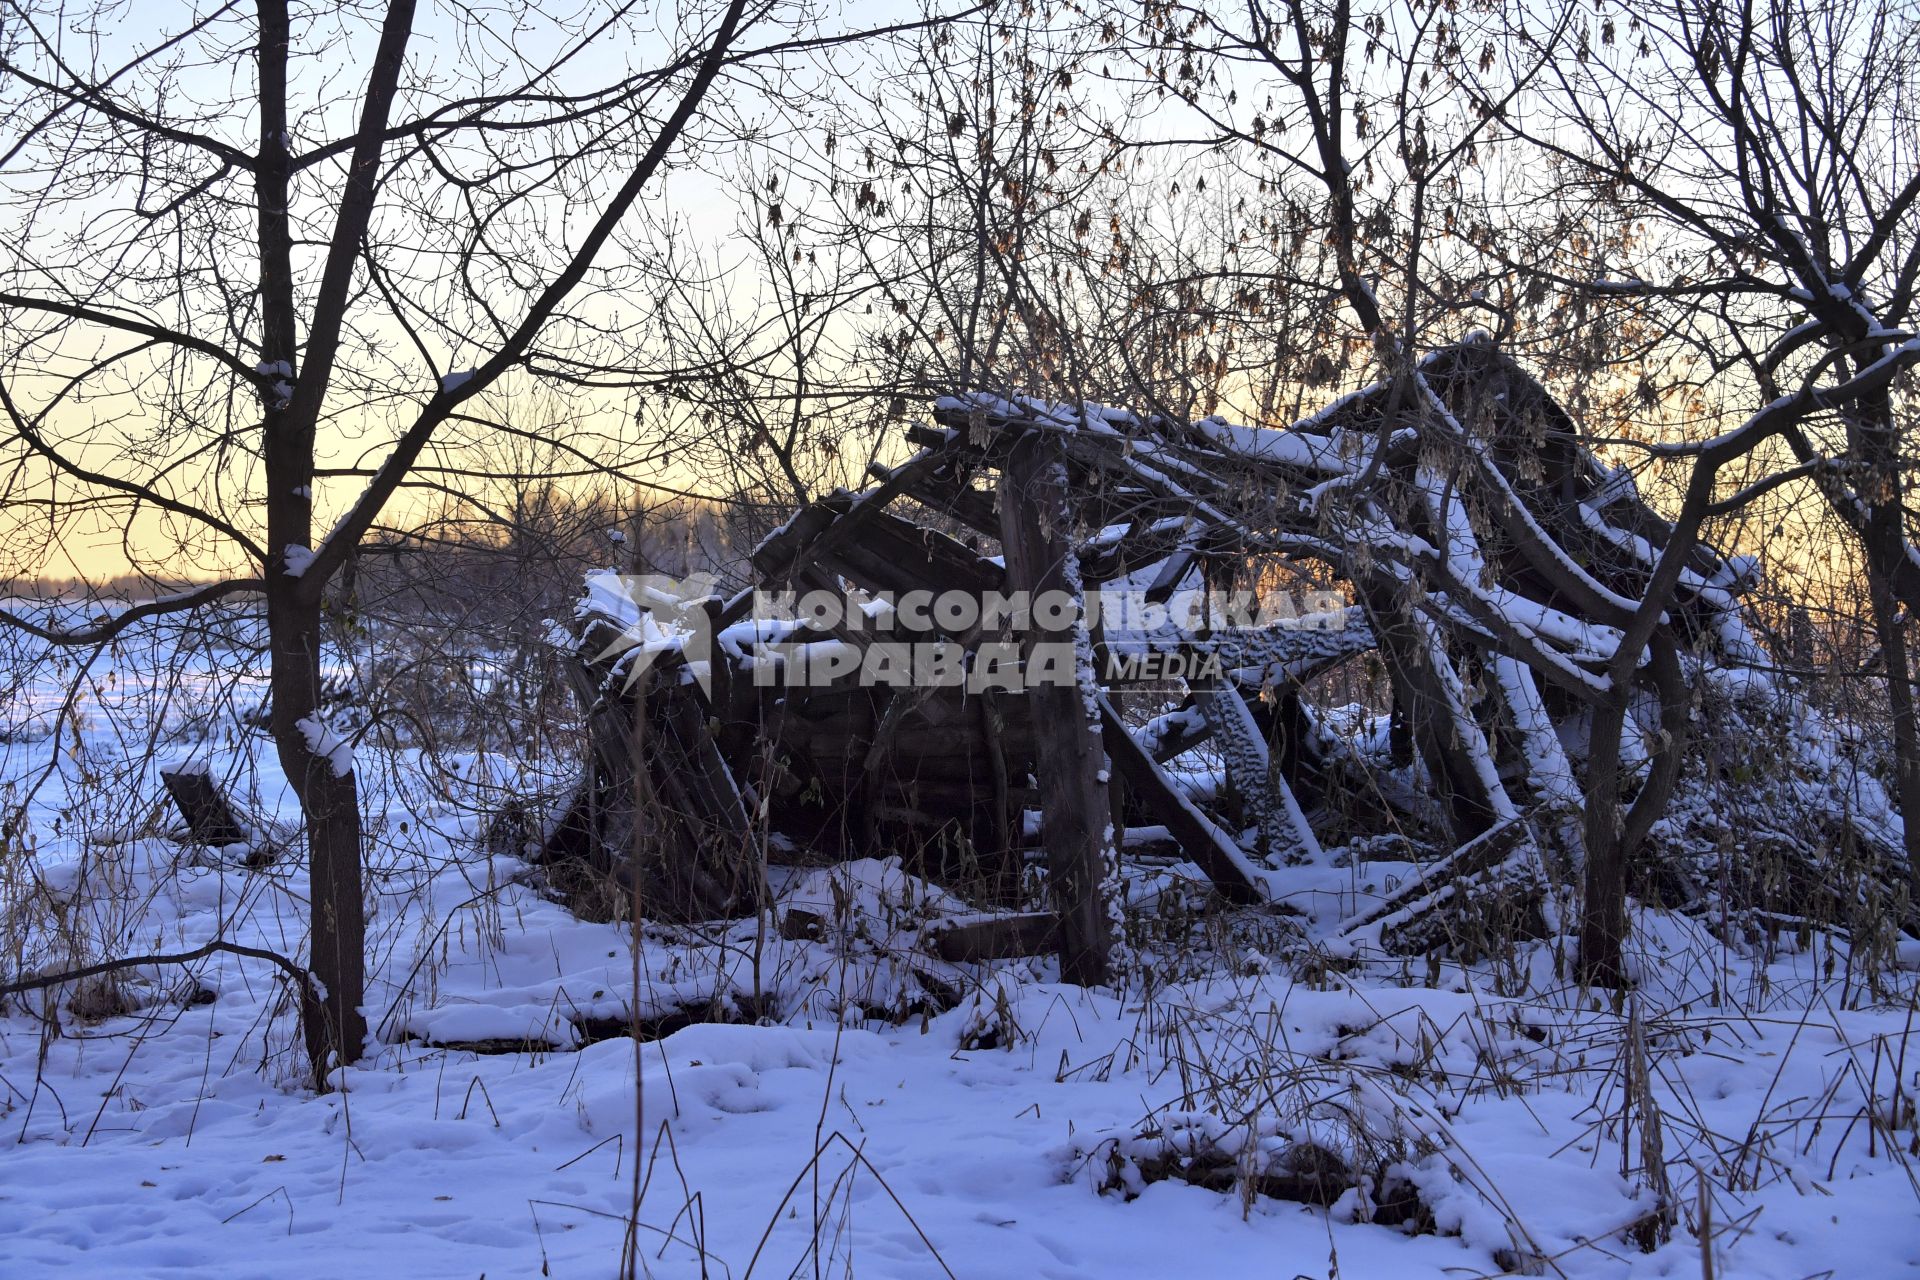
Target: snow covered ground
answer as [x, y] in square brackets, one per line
[890, 1115]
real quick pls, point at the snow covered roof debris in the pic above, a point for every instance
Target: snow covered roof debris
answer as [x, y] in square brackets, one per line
[1482, 556]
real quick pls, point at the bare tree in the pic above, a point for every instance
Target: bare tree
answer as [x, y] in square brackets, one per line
[253, 239]
[1762, 155]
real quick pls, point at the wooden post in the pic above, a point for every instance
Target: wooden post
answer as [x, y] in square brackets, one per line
[996, 838]
[1036, 534]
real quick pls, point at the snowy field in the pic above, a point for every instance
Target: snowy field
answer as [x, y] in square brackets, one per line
[848, 1105]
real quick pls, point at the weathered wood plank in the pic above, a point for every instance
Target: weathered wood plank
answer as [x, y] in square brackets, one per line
[210, 819]
[1035, 532]
[1202, 842]
[970, 941]
[891, 554]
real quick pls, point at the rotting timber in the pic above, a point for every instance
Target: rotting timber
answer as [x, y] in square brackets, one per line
[1490, 557]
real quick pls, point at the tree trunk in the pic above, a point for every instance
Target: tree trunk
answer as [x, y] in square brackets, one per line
[1891, 629]
[330, 804]
[1876, 442]
[1612, 839]
[1603, 916]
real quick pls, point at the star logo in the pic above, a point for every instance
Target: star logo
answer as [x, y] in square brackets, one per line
[662, 619]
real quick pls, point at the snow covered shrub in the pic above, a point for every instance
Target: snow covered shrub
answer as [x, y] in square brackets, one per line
[1317, 1141]
[864, 934]
[991, 1021]
[1781, 824]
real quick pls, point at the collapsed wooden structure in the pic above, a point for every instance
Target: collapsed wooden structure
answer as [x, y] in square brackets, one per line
[1490, 559]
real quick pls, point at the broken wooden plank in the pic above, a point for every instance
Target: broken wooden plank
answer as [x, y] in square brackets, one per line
[210, 819]
[1200, 840]
[972, 940]
[676, 827]
[688, 745]
[1283, 827]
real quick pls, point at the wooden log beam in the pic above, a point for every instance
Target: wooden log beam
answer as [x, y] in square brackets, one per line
[1170, 736]
[972, 940]
[1498, 854]
[1036, 532]
[1270, 800]
[1200, 841]
[1429, 703]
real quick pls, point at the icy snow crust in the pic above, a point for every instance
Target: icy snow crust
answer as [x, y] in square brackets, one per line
[177, 1140]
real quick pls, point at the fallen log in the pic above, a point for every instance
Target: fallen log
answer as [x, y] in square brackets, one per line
[970, 941]
[1487, 875]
